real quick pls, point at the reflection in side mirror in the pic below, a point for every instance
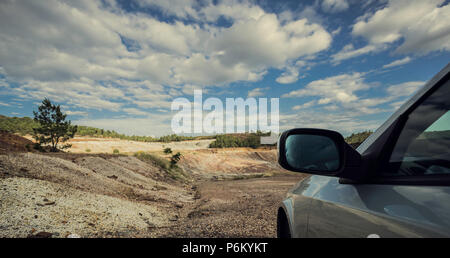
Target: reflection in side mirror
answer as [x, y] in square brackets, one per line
[312, 153]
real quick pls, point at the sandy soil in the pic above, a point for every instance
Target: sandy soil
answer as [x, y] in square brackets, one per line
[219, 164]
[228, 193]
[107, 145]
[239, 208]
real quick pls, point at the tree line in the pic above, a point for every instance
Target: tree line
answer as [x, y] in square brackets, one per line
[251, 140]
[25, 126]
[50, 127]
[355, 139]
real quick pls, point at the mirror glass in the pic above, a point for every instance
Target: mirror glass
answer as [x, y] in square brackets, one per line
[312, 152]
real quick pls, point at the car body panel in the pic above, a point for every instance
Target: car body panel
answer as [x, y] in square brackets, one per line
[359, 210]
[296, 206]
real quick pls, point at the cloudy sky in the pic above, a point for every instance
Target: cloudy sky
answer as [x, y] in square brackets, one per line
[339, 64]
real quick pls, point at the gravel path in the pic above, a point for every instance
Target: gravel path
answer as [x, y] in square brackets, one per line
[237, 208]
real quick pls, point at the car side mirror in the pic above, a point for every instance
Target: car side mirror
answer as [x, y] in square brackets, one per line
[317, 151]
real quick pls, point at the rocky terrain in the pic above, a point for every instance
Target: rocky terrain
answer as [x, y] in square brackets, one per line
[223, 193]
[87, 195]
[234, 208]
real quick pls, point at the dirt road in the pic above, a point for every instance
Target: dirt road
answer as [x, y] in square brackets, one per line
[233, 208]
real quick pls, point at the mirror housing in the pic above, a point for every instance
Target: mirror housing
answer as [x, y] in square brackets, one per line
[319, 152]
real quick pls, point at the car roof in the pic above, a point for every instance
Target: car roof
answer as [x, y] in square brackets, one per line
[428, 86]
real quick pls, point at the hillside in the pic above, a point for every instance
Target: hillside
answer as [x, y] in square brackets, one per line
[355, 139]
[440, 135]
[25, 125]
[10, 143]
[106, 195]
[20, 125]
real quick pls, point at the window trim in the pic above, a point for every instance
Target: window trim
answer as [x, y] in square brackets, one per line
[390, 143]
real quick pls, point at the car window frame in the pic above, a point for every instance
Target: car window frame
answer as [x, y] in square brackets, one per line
[390, 143]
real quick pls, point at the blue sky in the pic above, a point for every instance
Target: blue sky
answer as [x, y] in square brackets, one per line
[344, 65]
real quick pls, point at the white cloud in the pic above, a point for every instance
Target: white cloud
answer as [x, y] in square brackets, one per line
[304, 105]
[256, 92]
[421, 26]
[398, 92]
[396, 105]
[206, 9]
[340, 102]
[343, 122]
[265, 42]
[74, 52]
[135, 111]
[424, 26]
[340, 88]
[236, 10]
[200, 70]
[289, 76]
[76, 113]
[336, 31]
[181, 9]
[349, 51]
[189, 89]
[334, 6]
[292, 74]
[398, 62]
[83, 93]
[404, 89]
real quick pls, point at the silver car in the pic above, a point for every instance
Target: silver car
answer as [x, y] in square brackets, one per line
[395, 184]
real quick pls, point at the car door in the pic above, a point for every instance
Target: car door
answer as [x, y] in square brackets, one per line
[408, 195]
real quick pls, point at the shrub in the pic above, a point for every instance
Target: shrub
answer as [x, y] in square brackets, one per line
[88, 150]
[38, 147]
[246, 140]
[160, 162]
[174, 159]
[115, 151]
[172, 170]
[167, 150]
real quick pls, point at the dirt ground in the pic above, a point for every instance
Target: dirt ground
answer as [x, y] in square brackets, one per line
[11, 142]
[226, 193]
[234, 208]
[108, 145]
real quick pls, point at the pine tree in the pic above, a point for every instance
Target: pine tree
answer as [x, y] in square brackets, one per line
[53, 127]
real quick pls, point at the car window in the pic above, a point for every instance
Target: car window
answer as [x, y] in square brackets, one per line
[423, 146]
